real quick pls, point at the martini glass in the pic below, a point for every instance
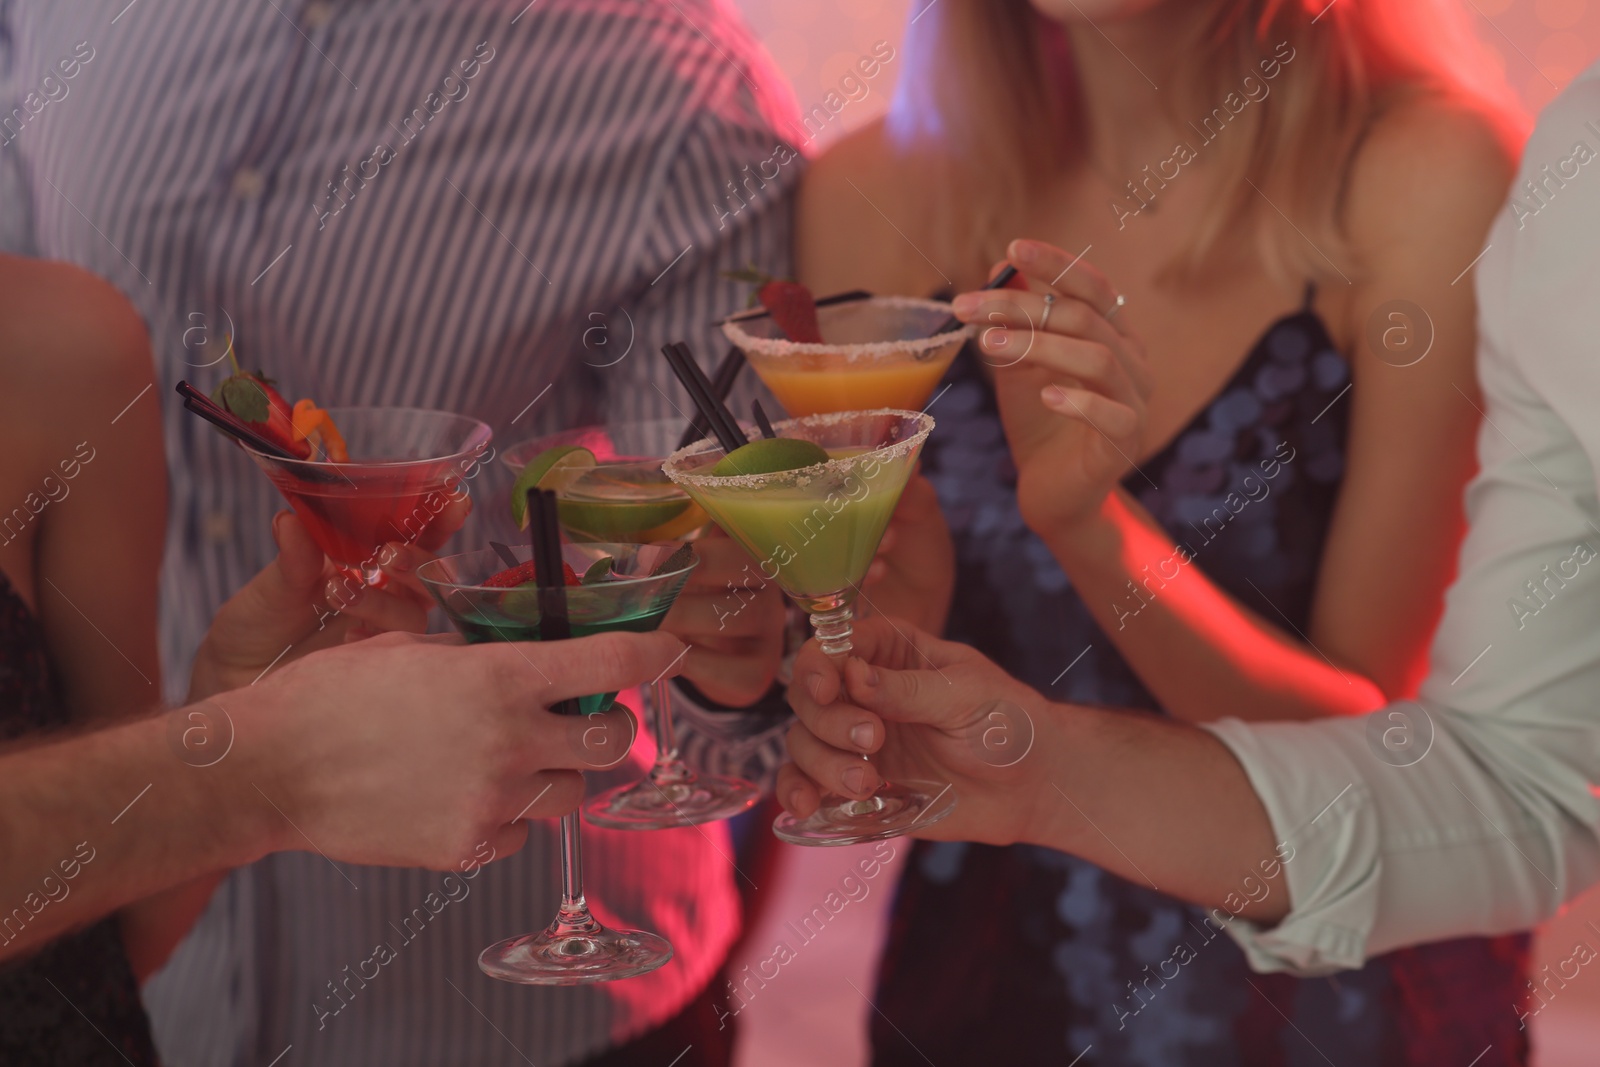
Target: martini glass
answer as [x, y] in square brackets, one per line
[411, 461]
[624, 497]
[815, 531]
[575, 947]
[878, 355]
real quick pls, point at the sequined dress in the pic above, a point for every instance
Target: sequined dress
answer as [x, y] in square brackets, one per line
[75, 1001]
[1023, 955]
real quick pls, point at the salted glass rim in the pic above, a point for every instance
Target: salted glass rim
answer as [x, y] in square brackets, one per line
[614, 583]
[777, 347]
[478, 438]
[840, 465]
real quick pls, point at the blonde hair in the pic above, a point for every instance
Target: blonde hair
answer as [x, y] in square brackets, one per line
[985, 81]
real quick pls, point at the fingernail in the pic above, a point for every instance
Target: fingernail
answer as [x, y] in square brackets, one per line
[870, 676]
[1026, 251]
[1053, 395]
[996, 337]
[965, 304]
[791, 799]
[861, 735]
[855, 779]
[814, 687]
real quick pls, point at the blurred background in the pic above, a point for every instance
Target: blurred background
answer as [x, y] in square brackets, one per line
[1541, 45]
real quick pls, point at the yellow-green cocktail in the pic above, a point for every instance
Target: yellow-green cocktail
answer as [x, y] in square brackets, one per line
[814, 529]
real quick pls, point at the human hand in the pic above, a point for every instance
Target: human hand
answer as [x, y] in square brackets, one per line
[422, 751]
[924, 709]
[301, 603]
[733, 620]
[914, 573]
[1072, 392]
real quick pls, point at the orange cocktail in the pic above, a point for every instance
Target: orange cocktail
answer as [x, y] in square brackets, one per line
[875, 353]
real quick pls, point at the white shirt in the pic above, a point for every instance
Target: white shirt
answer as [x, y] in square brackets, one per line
[1475, 812]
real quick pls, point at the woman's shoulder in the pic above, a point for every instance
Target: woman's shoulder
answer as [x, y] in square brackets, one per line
[854, 198]
[68, 341]
[1427, 164]
[60, 324]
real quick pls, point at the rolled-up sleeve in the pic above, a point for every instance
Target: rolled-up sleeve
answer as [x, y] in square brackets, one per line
[1473, 810]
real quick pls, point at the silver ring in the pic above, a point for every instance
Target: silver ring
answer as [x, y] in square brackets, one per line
[1049, 302]
[1122, 302]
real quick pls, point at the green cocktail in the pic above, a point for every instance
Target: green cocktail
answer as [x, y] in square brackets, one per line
[608, 482]
[609, 487]
[489, 600]
[814, 530]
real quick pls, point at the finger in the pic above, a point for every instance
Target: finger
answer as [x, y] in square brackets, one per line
[879, 640]
[447, 522]
[929, 697]
[1046, 266]
[545, 795]
[798, 794]
[597, 742]
[844, 726]
[1025, 310]
[1088, 363]
[300, 562]
[506, 840]
[719, 613]
[833, 769]
[735, 679]
[1114, 421]
[381, 611]
[604, 663]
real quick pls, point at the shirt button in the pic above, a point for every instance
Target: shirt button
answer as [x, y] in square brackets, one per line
[247, 183]
[217, 527]
[317, 14]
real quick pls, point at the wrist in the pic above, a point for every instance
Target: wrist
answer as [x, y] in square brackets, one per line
[240, 773]
[1064, 742]
[1083, 536]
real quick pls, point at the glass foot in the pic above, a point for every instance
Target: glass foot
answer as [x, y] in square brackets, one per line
[651, 805]
[893, 810]
[574, 954]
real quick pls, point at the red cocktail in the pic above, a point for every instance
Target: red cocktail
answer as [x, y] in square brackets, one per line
[408, 465]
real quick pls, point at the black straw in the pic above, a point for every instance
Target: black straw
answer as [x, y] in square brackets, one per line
[722, 383]
[762, 421]
[198, 403]
[229, 423]
[544, 536]
[999, 281]
[507, 557]
[694, 381]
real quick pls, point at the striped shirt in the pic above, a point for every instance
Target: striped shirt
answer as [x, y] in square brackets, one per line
[497, 207]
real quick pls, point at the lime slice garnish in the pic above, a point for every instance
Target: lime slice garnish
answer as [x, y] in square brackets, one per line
[769, 455]
[554, 468]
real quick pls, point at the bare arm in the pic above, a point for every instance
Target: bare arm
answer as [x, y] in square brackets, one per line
[327, 750]
[1157, 802]
[1399, 518]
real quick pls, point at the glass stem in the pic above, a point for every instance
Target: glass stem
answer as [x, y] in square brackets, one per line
[668, 769]
[574, 910]
[833, 630]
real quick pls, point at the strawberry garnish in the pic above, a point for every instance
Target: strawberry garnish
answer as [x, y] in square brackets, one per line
[252, 399]
[790, 304]
[523, 574]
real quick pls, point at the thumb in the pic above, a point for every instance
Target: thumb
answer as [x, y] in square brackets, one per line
[299, 565]
[925, 697]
